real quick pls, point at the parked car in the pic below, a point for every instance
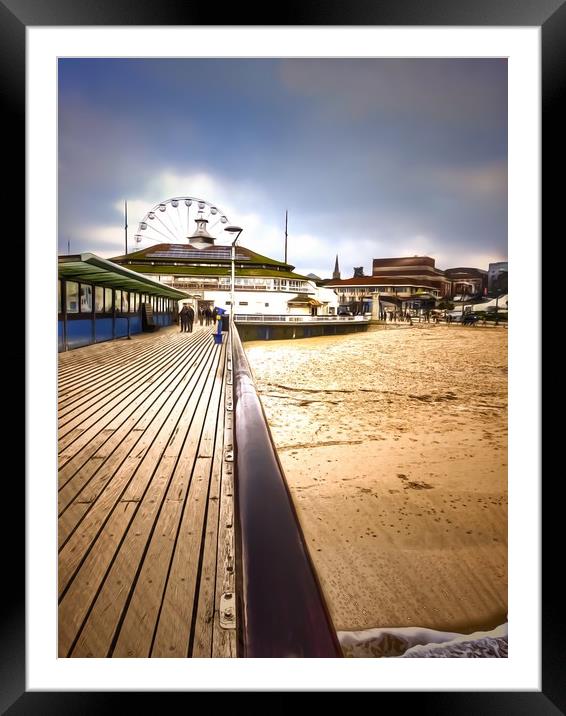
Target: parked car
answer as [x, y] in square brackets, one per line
[454, 316]
[470, 319]
[344, 311]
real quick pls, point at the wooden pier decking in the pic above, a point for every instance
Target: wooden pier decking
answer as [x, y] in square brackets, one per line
[146, 498]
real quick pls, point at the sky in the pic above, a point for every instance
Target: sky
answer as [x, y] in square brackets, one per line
[372, 158]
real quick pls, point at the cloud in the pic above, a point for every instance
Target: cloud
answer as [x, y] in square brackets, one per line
[371, 157]
[356, 238]
[487, 181]
[439, 89]
[103, 240]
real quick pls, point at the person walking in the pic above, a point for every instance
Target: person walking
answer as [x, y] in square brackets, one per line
[190, 319]
[201, 316]
[207, 315]
[184, 317]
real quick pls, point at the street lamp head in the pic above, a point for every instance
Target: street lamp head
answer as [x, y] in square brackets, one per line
[234, 230]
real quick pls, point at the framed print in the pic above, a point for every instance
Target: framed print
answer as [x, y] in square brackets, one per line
[41, 46]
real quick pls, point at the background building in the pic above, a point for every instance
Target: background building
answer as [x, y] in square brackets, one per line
[412, 283]
[466, 283]
[407, 277]
[497, 278]
[204, 270]
[410, 274]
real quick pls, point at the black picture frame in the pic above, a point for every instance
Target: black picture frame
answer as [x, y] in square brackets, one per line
[550, 16]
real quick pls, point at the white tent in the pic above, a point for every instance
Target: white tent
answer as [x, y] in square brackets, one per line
[490, 305]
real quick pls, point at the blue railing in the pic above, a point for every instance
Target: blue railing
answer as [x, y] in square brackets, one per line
[266, 318]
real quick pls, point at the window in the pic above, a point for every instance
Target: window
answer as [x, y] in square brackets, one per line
[108, 300]
[267, 305]
[99, 299]
[59, 296]
[125, 302]
[243, 303]
[86, 298]
[72, 290]
[118, 300]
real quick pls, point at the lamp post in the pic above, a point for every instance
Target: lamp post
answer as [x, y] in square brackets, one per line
[464, 293]
[233, 230]
[467, 287]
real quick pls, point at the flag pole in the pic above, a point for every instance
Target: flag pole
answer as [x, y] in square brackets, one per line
[126, 224]
[285, 235]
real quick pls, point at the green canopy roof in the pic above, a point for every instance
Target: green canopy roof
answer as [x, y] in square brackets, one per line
[170, 270]
[94, 269]
[161, 252]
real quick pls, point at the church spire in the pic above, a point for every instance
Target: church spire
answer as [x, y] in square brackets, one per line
[336, 273]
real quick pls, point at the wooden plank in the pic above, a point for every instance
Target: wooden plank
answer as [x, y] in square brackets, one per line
[75, 605]
[156, 404]
[173, 632]
[224, 640]
[140, 468]
[69, 520]
[128, 370]
[114, 395]
[105, 616]
[182, 499]
[92, 360]
[147, 394]
[106, 414]
[224, 643]
[121, 366]
[119, 436]
[130, 516]
[137, 631]
[202, 636]
[151, 482]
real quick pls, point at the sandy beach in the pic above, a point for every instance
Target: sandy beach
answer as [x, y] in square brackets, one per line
[394, 445]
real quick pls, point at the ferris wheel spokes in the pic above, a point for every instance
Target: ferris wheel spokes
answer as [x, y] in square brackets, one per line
[166, 219]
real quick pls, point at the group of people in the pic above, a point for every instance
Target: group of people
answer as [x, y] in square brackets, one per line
[187, 317]
[207, 316]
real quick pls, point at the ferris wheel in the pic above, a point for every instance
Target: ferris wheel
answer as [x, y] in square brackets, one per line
[172, 220]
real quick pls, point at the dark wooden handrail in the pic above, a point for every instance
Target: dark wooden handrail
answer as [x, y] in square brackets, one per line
[281, 608]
